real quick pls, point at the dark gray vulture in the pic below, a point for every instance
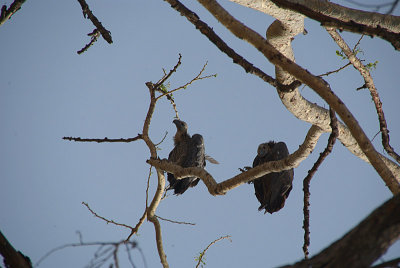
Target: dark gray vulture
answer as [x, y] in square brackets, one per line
[188, 152]
[272, 189]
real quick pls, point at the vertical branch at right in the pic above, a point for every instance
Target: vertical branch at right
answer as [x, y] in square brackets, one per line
[307, 180]
[368, 83]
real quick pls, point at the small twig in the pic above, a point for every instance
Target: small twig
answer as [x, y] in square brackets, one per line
[166, 133]
[335, 71]
[7, 13]
[212, 243]
[138, 137]
[166, 76]
[177, 222]
[198, 77]
[106, 220]
[87, 13]
[94, 37]
[307, 180]
[358, 43]
[136, 229]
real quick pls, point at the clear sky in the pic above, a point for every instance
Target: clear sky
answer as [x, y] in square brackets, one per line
[47, 92]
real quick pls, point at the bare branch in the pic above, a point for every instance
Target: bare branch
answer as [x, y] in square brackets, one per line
[12, 257]
[215, 188]
[166, 76]
[335, 71]
[307, 180]
[196, 78]
[7, 13]
[395, 263]
[94, 36]
[87, 13]
[104, 219]
[212, 243]
[369, 83]
[101, 254]
[380, 229]
[330, 14]
[79, 139]
[177, 222]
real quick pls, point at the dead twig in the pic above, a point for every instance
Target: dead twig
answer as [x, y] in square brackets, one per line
[307, 180]
[7, 13]
[200, 258]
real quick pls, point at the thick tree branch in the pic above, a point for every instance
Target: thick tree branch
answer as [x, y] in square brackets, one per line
[221, 188]
[365, 243]
[369, 83]
[87, 13]
[320, 86]
[330, 14]
[11, 257]
[7, 13]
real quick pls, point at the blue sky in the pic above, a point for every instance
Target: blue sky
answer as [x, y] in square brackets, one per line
[47, 92]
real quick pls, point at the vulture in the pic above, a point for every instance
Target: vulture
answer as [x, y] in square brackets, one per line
[188, 152]
[272, 189]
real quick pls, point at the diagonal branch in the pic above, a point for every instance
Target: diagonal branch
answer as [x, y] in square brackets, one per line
[7, 13]
[200, 259]
[12, 257]
[221, 188]
[365, 243]
[369, 83]
[87, 13]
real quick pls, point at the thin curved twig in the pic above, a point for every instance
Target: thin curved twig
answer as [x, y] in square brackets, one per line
[209, 245]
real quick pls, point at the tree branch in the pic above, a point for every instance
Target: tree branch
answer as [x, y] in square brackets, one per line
[221, 188]
[330, 14]
[7, 13]
[365, 243]
[200, 260]
[79, 139]
[12, 258]
[369, 83]
[87, 13]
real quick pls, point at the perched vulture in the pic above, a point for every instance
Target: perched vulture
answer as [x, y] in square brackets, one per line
[272, 189]
[188, 152]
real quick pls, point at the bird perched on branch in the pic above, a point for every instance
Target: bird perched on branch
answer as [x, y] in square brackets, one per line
[188, 152]
[272, 189]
